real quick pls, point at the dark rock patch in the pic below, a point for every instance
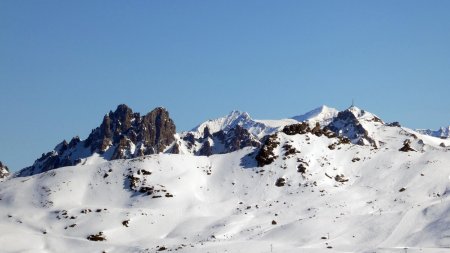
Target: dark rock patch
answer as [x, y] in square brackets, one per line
[280, 182]
[340, 178]
[265, 155]
[406, 146]
[97, 237]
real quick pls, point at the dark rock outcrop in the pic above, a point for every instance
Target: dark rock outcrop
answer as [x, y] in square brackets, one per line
[265, 155]
[394, 124]
[238, 138]
[205, 150]
[300, 128]
[4, 171]
[346, 124]
[280, 182]
[122, 134]
[220, 142]
[406, 146]
[97, 237]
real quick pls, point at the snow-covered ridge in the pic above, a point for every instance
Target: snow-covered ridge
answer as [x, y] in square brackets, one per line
[233, 119]
[125, 134]
[319, 194]
[323, 114]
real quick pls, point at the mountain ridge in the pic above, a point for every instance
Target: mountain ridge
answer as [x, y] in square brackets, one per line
[356, 184]
[125, 134]
[315, 191]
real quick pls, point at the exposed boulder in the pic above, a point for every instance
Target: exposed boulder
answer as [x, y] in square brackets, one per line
[340, 178]
[97, 237]
[280, 182]
[302, 168]
[406, 146]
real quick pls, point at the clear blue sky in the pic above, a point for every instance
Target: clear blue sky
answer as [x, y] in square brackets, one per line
[64, 64]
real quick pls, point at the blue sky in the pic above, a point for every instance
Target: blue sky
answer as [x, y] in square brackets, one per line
[64, 64]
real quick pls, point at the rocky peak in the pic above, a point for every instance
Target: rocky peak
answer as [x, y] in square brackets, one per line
[156, 130]
[4, 171]
[350, 124]
[122, 134]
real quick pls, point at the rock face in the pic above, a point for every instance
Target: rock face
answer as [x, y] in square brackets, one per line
[220, 142]
[122, 134]
[266, 155]
[150, 134]
[4, 171]
[348, 124]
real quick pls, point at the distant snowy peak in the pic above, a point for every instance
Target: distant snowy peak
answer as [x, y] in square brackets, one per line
[443, 132]
[323, 114]
[230, 121]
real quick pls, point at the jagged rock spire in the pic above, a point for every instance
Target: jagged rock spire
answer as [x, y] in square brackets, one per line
[122, 134]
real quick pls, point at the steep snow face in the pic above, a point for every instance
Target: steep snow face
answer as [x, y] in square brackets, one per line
[318, 195]
[324, 115]
[443, 132]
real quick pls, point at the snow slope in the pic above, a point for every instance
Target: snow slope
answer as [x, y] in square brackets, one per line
[349, 198]
[323, 114]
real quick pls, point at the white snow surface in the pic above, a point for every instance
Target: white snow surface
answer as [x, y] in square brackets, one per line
[323, 114]
[224, 203]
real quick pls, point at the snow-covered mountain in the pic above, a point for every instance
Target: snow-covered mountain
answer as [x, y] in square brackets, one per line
[354, 184]
[443, 132]
[324, 115]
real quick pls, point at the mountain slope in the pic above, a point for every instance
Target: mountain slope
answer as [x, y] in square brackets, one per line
[320, 193]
